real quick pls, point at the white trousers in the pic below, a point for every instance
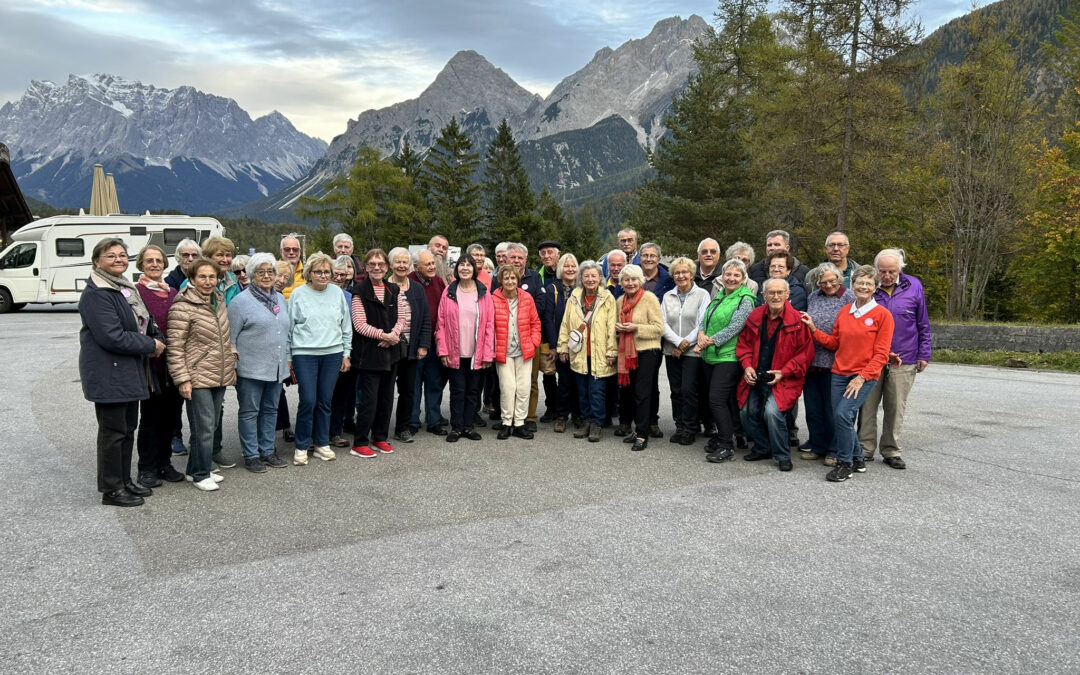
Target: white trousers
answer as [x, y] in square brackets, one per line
[514, 388]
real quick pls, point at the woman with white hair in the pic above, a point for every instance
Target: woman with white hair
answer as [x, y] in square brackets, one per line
[639, 327]
[259, 328]
[416, 338]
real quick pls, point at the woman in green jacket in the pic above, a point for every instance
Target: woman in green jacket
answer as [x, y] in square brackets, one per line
[724, 318]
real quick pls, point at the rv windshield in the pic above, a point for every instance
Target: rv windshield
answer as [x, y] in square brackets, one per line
[21, 255]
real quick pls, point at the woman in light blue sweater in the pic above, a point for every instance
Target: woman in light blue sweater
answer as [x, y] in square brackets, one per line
[320, 340]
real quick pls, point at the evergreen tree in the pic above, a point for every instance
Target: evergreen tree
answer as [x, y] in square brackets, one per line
[447, 180]
[508, 200]
[374, 202]
[408, 160]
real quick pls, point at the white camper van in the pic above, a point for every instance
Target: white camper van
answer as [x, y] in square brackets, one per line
[49, 260]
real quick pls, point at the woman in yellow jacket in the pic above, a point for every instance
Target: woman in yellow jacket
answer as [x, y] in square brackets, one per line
[590, 320]
[639, 325]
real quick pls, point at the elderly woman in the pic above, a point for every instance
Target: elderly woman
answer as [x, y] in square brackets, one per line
[744, 252]
[239, 270]
[640, 327]
[718, 334]
[517, 339]
[552, 307]
[861, 338]
[779, 265]
[320, 339]
[202, 362]
[823, 306]
[186, 252]
[417, 339]
[115, 340]
[590, 320]
[380, 317]
[466, 343]
[343, 402]
[259, 328]
[159, 413]
[282, 280]
[682, 309]
[221, 250]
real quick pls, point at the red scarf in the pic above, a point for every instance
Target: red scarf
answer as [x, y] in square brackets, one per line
[627, 348]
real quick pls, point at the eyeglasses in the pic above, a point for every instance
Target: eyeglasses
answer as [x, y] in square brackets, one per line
[774, 294]
[825, 283]
[320, 273]
[289, 249]
[265, 273]
[709, 251]
[836, 245]
[115, 256]
[777, 268]
[375, 265]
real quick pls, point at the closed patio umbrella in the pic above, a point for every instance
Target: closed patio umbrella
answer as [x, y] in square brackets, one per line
[99, 196]
[113, 203]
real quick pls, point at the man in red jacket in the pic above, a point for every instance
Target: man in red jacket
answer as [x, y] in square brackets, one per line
[774, 349]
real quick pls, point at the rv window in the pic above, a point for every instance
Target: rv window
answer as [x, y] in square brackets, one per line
[174, 236]
[22, 255]
[70, 248]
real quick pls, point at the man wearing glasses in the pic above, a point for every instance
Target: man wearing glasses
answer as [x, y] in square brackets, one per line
[708, 265]
[290, 253]
[836, 252]
[186, 252]
[628, 241]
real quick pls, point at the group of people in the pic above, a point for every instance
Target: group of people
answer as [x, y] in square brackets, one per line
[741, 342]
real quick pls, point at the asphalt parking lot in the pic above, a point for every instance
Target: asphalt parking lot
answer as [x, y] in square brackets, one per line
[551, 555]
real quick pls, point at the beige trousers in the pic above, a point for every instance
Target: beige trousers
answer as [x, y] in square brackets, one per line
[890, 393]
[514, 389]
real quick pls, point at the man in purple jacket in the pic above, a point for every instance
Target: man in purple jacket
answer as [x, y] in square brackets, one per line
[903, 296]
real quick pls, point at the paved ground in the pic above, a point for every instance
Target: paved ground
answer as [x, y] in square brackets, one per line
[551, 555]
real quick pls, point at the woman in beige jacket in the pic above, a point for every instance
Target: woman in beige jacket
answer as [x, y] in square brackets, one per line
[591, 311]
[639, 325]
[202, 362]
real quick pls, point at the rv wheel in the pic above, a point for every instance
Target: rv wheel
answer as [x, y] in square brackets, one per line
[5, 301]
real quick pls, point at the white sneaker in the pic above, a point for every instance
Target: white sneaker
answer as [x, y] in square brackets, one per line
[299, 458]
[207, 484]
[324, 453]
[217, 477]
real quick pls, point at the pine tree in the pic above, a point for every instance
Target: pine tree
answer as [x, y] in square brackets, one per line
[408, 160]
[508, 200]
[447, 180]
[374, 202]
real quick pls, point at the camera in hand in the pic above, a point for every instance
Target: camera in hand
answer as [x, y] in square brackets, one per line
[764, 377]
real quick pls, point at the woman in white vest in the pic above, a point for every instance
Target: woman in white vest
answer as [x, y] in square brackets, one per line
[683, 308]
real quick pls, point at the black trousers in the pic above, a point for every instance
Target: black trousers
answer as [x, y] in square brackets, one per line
[551, 389]
[406, 393]
[683, 375]
[566, 400]
[115, 441]
[376, 389]
[343, 402]
[723, 383]
[157, 417]
[464, 393]
[283, 412]
[637, 397]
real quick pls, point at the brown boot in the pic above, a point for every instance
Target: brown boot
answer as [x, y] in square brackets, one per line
[583, 431]
[594, 432]
[560, 425]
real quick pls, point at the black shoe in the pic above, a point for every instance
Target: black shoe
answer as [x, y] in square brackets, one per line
[654, 431]
[121, 498]
[478, 421]
[710, 430]
[404, 436]
[137, 490]
[170, 475]
[757, 457]
[720, 455]
[629, 438]
[713, 444]
[622, 430]
[452, 437]
[858, 465]
[740, 442]
[274, 462]
[549, 416]
[523, 432]
[504, 433]
[894, 462]
[785, 465]
[287, 435]
[494, 415]
[640, 444]
[530, 427]
[438, 430]
[254, 465]
[471, 435]
[148, 479]
[687, 438]
[839, 473]
[675, 437]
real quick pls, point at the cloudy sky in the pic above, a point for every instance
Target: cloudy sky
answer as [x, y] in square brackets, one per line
[322, 62]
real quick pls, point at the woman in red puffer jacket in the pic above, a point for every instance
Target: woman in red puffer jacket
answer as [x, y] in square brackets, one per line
[517, 337]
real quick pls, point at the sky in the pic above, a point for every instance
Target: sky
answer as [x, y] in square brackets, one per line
[323, 62]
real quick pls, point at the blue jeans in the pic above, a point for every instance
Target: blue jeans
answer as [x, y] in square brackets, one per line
[846, 410]
[429, 382]
[315, 377]
[203, 410]
[257, 415]
[591, 395]
[817, 394]
[766, 424]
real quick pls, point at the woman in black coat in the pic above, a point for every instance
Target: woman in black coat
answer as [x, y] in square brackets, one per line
[551, 305]
[118, 335]
[418, 344]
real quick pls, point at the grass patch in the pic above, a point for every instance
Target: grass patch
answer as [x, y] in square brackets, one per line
[1064, 361]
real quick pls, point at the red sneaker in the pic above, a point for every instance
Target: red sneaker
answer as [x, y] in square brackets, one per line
[362, 451]
[383, 447]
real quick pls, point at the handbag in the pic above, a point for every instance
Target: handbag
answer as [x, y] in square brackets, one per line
[576, 340]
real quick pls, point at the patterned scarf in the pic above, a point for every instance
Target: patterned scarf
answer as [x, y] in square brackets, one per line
[267, 299]
[628, 359]
[156, 287]
[129, 291]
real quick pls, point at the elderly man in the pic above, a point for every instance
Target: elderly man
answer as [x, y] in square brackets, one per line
[777, 240]
[430, 374]
[657, 279]
[440, 248]
[628, 244]
[291, 253]
[500, 254]
[186, 252]
[775, 350]
[549, 255]
[343, 245]
[708, 265]
[837, 247]
[901, 294]
[616, 261]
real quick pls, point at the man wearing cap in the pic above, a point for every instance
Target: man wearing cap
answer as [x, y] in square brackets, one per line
[549, 256]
